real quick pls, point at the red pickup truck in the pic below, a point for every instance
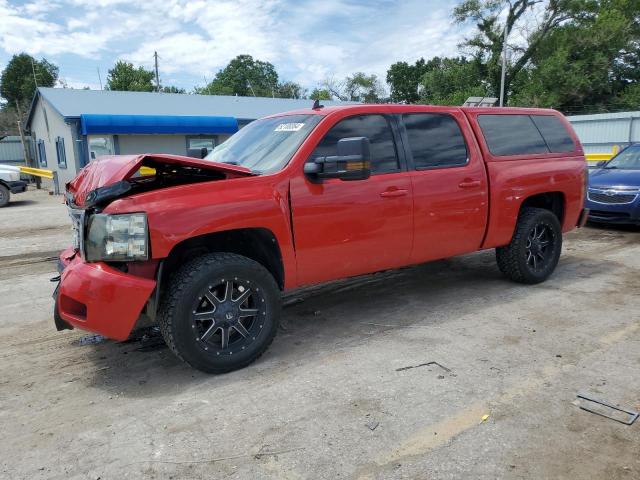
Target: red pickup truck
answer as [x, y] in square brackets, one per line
[204, 248]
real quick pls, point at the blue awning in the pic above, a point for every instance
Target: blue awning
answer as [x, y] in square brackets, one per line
[150, 124]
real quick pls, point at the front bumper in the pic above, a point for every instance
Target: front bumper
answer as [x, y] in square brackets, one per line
[17, 187]
[99, 298]
[628, 213]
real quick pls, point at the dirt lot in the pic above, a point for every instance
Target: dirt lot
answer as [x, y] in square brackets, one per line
[332, 397]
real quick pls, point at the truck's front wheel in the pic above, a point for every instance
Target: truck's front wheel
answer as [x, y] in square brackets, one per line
[535, 248]
[220, 312]
[5, 195]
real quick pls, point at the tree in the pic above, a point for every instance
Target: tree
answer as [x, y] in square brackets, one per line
[589, 64]
[358, 87]
[521, 15]
[245, 77]
[17, 82]
[320, 94]
[290, 90]
[450, 81]
[125, 77]
[172, 89]
[405, 79]
[8, 124]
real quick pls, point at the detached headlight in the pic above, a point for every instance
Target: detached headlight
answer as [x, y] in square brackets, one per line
[117, 238]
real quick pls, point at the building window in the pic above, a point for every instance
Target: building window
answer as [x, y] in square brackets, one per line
[42, 154]
[62, 156]
[195, 146]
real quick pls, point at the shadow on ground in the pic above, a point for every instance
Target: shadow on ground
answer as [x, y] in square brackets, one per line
[321, 320]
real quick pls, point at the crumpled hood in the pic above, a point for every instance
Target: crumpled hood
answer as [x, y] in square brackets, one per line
[107, 170]
[607, 178]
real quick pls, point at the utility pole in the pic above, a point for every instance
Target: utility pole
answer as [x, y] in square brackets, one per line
[155, 56]
[99, 78]
[33, 69]
[27, 156]
[249, 83]
[504, 63]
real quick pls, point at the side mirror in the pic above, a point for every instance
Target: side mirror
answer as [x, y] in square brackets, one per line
[601, 163]
[353, 161]
[204, 151]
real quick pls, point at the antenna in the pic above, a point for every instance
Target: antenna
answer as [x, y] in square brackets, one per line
[99, 78]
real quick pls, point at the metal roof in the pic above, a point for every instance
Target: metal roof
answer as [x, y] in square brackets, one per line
[71, 103]
[603, 116]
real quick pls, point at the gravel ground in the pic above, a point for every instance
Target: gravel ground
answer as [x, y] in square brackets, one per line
[333, 397]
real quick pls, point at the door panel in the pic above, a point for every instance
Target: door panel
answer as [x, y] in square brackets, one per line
[449, 185]
[449, 218]
[343, 228]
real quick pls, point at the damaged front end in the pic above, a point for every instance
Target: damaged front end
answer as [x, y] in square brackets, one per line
[108, 277]
[110, 178]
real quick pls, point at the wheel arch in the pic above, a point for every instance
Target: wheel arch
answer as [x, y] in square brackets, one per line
[259, 244]
[555, 202]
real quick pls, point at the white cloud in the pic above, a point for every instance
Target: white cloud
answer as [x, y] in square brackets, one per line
[306, 40]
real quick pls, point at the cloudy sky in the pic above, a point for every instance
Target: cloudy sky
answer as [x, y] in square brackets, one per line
[307, 40]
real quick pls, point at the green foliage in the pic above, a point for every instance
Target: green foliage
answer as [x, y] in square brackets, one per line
[245, 77]
[358, 87]
[587, 65]
[404, 80]
[125, 77]
[450, 81]
[320, 94]
[290, 90]
[172, 89]
[17, 83]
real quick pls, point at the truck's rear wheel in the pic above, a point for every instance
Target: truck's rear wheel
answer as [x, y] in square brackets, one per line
[535, 248]
[221, 312]
[5, 195]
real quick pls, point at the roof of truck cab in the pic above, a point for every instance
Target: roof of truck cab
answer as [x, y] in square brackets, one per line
[401, 108]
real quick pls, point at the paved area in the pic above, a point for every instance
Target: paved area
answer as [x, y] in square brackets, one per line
[334, 397]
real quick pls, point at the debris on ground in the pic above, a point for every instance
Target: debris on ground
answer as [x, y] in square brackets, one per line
[605, 409]
[372, 425]
[423, 365]
[91, 340]
[485, 417]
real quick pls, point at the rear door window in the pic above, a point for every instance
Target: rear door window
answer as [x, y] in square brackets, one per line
[554, 133]
[435, 140]
[376, 128]
[511, 135]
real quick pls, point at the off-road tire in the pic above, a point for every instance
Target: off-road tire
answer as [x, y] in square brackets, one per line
[513, 258]
[5, 195]
[175, 317]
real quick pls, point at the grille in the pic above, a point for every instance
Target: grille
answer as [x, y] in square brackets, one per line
[612, 198]
[605, 214]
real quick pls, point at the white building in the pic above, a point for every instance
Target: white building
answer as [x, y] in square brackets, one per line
[71, 127]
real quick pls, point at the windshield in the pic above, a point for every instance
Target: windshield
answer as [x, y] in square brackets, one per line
[628, 159]
[265, 145]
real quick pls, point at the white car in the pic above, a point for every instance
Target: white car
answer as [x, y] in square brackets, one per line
[10, 183]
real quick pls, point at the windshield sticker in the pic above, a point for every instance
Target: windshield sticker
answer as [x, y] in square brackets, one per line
[289, 127]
